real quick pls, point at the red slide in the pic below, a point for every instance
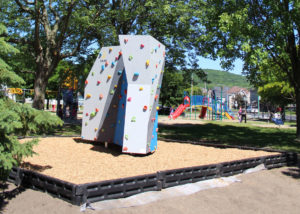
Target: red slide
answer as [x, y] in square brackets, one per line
[181, 108]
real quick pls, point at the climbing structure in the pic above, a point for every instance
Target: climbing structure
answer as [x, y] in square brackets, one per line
[121, 94]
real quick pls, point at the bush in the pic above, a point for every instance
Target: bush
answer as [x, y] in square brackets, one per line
[20, 120]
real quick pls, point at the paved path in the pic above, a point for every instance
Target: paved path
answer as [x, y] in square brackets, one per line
[268, 191]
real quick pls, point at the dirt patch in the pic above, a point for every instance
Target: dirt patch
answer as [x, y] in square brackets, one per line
[80, 162]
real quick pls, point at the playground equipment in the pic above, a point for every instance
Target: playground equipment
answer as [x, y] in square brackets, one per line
[182, 107]
[215, 107]
[121, 94]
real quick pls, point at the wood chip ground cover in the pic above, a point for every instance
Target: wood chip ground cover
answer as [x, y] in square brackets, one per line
[78, 162]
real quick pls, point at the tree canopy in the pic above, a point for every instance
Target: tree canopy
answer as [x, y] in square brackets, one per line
[264, 34]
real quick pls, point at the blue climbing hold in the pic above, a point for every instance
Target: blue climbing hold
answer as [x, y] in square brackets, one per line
[136, 74]
[119, 72]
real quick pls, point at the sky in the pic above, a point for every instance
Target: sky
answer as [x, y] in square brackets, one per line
[210, 64]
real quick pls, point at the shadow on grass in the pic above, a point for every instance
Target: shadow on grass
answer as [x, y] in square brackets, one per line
[241, 135]
[7, 195]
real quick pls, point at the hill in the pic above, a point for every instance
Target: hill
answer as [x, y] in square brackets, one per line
[224, 78]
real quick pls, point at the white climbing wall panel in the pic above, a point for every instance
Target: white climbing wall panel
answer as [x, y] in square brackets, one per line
[121, 94]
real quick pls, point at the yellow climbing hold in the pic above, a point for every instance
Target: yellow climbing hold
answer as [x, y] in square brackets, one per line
[147, 62]
[88, 95]
[110, 49]
[141, 88]
[116, 86]
[96, 129]
[157, 108]
[109, 76]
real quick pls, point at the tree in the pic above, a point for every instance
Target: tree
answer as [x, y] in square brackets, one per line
[17, 119]
[52, 30]
[261, 33]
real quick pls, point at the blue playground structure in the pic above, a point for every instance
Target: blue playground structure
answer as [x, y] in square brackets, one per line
[213, 108]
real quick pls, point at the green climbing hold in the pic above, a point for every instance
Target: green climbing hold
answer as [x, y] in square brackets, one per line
[130, 58]
[112, 92]
[126, 137]
[133, 119]
[93, 114]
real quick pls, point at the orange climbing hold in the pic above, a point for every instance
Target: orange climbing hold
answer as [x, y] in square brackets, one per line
[86, 82]
[109, 76]
[96, 110]
[101, 96]
[145, 108]
[88, 95]
[120, 53]
[106, 63]
[125, 149]
[110, 49]
[156, 96]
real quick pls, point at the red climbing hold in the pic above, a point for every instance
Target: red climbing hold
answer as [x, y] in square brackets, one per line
[116, 58]
[145, 108]
[106, 63]
[129, 99]
[96, 110]
[120, 53]
[142, 45]
[98, 82]
[125, 91]
[87, 114]
[86, 82]
[125, 149]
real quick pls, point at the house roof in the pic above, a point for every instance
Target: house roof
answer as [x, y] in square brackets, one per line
[236, 89]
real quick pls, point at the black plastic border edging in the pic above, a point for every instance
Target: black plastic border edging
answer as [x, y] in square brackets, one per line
[119, 188]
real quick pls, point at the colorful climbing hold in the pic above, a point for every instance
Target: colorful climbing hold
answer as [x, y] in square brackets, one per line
[116, 58]
[110, 49]
[120, 53]
[86, 123]
[116, 86]
[96, 110]
[86, 114]
[156, 65]
[142, 45]
[120, 72]
[102, 67]
[136, 74]
[133, 119]
[95, 138]
[152, 80]
[93, 114]
[147, 62]
[123, 105]
[88, 96]
[112, 64]
[93, 73]
[120, 96]
[98, 82]
[112, 92]
[157, 108]
[141, 88]
[156, 130]
[125, 149]
[145, 108]
[130, 58]
[101, 96]
[125, 41]
[86, 82]
[125, 91]
[159, 45]
[129, 99]
[156, 96]
[109, 76]
[126, 137]
[96, 129]
[106, 63]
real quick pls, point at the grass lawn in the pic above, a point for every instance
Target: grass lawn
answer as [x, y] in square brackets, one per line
[228, 133]
[234, 134]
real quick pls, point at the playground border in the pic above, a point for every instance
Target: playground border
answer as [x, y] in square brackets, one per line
[78, 194]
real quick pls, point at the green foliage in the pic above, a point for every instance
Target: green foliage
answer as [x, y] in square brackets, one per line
[264, 34]
[172, 88]
[6, 75]
[223, 78]
[20, 120]
[17, 119]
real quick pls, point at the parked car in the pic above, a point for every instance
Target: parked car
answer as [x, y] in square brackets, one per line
[251, 110]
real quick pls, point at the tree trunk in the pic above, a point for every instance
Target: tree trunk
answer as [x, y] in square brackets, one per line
[298, 112]
[40, 83]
